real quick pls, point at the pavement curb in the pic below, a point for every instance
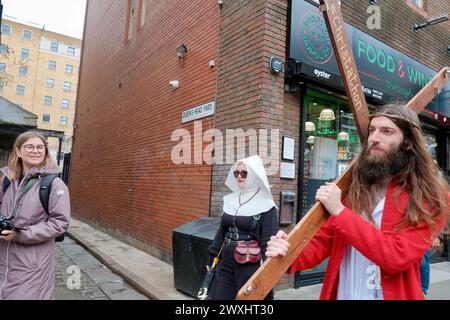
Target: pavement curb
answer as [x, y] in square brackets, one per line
[98, 244]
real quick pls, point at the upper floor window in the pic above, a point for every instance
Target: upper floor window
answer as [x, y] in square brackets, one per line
[48, 100]
[50, 83]
[2, 85]
[71, 51]
[63, 120]
[67, 86]
[142, 12]
[51, 65]
[20, 89]
[69, 68]
[65, 103]
[54, 47]
[23, 71]
[130, 18]
[46, 117]
[2, 67]
[27, 35]
[6, 30]
[418, 3]
[24, 53]
[4, 48]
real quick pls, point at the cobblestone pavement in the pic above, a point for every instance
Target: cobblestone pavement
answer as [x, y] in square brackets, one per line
[81, 276]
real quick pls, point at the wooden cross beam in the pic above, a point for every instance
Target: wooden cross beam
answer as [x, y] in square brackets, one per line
[265, 278]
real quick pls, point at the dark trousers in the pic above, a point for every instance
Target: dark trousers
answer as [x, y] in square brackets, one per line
[231, 276]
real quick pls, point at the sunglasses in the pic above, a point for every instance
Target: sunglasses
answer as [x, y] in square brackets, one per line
[243, 173]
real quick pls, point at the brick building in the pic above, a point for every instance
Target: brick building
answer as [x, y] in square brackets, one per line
[127, 174]
[39, 72]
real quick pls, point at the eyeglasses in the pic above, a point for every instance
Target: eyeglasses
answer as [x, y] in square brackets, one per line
[30, 148]
[243, 173]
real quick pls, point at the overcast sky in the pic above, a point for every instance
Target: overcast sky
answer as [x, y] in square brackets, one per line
[61, 16]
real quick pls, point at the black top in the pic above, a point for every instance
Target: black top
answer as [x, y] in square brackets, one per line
[266, 227]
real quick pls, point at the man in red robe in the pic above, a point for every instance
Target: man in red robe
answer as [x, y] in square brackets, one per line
[377, 236]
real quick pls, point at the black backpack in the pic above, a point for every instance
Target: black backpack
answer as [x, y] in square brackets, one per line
[44, 194]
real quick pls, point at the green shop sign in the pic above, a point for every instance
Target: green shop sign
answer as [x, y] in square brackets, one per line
[386, 74]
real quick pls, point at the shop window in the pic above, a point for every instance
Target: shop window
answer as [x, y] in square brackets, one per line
[332, 142]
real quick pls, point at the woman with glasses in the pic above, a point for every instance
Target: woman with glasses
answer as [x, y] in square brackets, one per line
[27, 239]
[248, 221]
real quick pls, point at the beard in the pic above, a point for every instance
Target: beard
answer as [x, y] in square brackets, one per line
[374, 168]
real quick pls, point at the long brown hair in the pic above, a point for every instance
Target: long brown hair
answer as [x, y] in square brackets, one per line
[419, 177]
[15, 164]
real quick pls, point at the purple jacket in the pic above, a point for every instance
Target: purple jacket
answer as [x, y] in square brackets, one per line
[27, 262]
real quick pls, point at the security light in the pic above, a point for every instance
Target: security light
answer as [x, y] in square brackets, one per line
[181, 50]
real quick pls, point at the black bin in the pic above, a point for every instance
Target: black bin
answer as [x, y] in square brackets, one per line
[190, 243]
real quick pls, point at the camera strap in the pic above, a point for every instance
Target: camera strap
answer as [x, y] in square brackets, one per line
[27, 188]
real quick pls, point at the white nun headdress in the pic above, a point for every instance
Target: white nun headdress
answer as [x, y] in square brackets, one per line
[239, 203]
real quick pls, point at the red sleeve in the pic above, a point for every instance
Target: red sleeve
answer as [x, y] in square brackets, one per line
[393, 251]
[317, 249]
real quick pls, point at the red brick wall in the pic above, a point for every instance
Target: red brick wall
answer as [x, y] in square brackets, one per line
[122, 176]
[249, 96]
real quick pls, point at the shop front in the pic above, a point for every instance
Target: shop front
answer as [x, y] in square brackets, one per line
[328, 137]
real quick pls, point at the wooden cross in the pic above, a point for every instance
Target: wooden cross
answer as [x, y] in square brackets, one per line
[265, 278]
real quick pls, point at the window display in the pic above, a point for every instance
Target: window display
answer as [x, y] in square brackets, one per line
[331, 142]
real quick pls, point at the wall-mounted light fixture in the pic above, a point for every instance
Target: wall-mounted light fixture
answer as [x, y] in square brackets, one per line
[448, 48]
[220, 3]
[373, 2]
[181, 50]
[433, 20]
[276, 65]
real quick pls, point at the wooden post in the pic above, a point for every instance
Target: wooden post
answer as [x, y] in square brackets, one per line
[265, 278]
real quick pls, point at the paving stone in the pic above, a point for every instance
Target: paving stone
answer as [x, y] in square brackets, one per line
[97, 282]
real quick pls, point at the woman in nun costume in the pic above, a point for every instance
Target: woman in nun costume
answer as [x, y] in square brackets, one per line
[249, 213]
